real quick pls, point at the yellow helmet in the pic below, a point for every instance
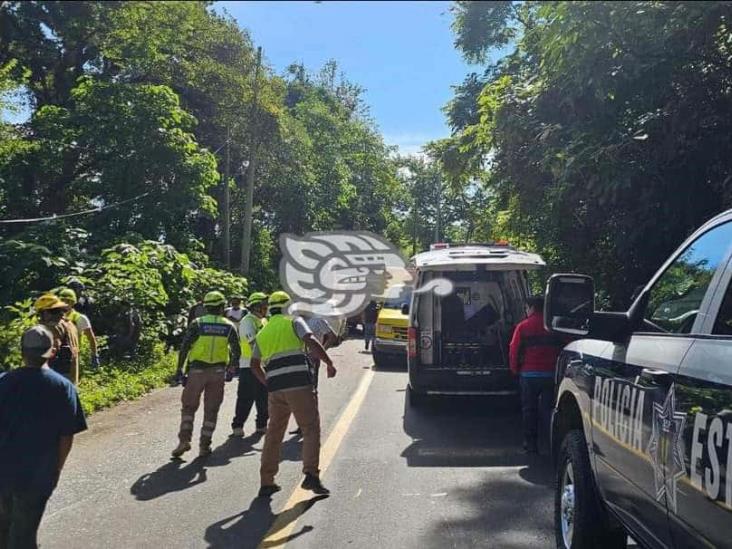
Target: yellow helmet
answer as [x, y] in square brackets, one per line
[256, 298]
[48, 302]
[279, 299]
[214, 299]
[68, 295]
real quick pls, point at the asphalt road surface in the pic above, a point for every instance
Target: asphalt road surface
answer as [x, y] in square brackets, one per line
[449, 475]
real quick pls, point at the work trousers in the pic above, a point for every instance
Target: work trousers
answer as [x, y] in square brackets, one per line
[303, 404]
[250, 392]
[537, 395]
[20, 516]
[210, 382]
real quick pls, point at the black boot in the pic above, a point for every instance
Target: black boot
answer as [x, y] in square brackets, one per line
[268, 489]
[313, 484]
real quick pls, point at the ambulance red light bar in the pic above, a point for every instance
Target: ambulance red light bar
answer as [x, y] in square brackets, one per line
[439, 246]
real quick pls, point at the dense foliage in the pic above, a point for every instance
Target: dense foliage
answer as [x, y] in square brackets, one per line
[138, 112]
[603, 135]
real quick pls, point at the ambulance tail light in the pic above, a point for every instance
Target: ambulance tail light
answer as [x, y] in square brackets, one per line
[412, 337]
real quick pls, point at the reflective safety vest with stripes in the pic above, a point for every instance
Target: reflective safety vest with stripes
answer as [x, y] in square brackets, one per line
[283, 354]
[246, 349]
[212, 346]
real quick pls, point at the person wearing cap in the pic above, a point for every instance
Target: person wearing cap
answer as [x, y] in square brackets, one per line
[81, 321]
[40, 413]
[51, 313]
[236, 312]
[210, 347]
[281, 347]
[533, 353]
[250, 391]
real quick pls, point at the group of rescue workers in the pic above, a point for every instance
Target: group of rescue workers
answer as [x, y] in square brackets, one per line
[215, 347]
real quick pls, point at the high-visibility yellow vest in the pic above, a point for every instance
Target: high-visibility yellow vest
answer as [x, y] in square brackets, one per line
[74, 317]
[246, 349]
[283, 354]
[212, 345]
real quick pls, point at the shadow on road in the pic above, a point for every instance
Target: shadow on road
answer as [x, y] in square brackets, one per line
[247, 529]
[177, 475]
[468, 432]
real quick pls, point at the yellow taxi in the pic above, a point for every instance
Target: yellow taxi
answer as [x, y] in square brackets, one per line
[391, 328]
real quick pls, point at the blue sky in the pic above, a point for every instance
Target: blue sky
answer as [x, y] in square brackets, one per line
[401, 52]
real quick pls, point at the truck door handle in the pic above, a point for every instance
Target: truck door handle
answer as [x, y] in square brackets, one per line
[662, 376]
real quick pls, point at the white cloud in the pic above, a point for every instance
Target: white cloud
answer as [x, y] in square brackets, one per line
[409, 143]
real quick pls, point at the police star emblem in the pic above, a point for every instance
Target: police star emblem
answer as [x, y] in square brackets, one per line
[666, 448]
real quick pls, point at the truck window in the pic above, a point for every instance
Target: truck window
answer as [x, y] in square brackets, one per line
[677, 295]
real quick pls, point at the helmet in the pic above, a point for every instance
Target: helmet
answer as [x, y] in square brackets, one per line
[48, 302]
[68, 296]
[279, 299]
[256, 298]
[214, 299]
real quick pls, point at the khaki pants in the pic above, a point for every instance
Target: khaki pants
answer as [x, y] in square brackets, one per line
[303, 404]
[210, 382]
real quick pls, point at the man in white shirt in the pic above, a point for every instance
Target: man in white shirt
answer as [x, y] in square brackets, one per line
[235, 313]
[250, 391]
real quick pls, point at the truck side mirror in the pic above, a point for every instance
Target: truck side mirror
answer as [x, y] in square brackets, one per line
[569, 304]
[405, 308]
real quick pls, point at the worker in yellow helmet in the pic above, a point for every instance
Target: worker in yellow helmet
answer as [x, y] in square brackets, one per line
[250, 390]
[51, 311]
[281, 347]
[81, 321]
[210, 347]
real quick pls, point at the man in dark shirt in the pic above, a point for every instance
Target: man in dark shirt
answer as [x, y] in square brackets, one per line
[40, 413]
[370, 315]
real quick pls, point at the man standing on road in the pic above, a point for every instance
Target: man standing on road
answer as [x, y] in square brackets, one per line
[210, 345]
[280, 345]
[370, 315]
[235, 313]
[40, 413]
[81, 321]
[533, 353]
[250, 390]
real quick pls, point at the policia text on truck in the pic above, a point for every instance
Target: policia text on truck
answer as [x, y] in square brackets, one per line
[642, 423]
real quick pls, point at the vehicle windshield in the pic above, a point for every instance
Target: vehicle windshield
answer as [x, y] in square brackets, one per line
[405, 296]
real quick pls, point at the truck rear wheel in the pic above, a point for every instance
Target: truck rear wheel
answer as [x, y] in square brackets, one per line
[579, 521]
[379, 358]
[416, 400]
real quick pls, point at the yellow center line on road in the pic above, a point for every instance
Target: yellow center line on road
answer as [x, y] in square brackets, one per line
[285, 523]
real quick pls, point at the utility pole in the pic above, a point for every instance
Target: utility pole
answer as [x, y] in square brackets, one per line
[438, 216]
[225, 204]
[246, 244]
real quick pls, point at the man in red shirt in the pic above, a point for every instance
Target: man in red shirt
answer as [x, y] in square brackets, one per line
[533, 353]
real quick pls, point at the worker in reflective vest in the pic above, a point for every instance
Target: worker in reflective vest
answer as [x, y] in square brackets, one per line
[250, 390]
[280, 346]
[210, 346]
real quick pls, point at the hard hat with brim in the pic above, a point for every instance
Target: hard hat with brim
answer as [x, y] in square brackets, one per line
[214, 299]
[256, 298]
[48, 302]
[37, 341]
[68, 295]
[279, 299]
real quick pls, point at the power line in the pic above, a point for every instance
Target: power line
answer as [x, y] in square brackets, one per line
[75, 214]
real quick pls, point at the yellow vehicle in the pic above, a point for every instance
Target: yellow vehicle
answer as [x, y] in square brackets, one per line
[391, 328]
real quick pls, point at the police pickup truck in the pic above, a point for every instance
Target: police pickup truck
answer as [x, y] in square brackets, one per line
[642, 423]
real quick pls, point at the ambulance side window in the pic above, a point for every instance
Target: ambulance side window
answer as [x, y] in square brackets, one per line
[677, 295]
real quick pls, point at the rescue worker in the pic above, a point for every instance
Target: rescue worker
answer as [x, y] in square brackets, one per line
[210, 345]
[51, 311]
[280, 346]
[250, 390]
[533, 353]
[236, 312]
[81, 321]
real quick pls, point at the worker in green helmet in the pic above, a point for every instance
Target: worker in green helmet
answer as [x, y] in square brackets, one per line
[210, 347]
[250, 390]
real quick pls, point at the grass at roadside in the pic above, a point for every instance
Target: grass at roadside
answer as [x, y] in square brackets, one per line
[124, 380]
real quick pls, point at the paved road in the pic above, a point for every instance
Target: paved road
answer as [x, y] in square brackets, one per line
[451, 475]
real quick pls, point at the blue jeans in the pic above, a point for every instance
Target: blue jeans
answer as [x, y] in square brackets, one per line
[20, 516]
